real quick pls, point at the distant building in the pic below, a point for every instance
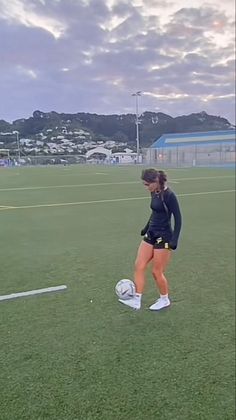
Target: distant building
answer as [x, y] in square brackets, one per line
[99, 151]
[193, 149]
[124, 157]
[101, 154]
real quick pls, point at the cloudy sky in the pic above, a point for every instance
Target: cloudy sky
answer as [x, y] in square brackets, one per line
[91, 55]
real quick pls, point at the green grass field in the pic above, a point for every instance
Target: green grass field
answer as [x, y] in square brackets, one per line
[79, 354]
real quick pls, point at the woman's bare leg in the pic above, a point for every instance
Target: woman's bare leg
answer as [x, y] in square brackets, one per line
[144, 256]
[161, 259]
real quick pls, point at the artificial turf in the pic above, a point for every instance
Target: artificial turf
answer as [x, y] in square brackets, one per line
[80, 354]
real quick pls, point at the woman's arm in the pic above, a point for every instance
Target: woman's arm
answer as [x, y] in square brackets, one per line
[173, 206]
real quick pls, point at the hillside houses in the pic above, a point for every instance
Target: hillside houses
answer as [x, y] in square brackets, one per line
[58, 141]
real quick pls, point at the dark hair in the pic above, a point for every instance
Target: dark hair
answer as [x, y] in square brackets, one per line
[152, 175]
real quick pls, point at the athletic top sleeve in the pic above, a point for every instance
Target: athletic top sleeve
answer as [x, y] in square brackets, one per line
[174, 209]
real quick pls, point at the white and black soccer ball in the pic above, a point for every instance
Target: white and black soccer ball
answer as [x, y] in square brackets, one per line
[125, 289]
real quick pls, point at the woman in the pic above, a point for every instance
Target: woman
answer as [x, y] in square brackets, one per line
[159, 239]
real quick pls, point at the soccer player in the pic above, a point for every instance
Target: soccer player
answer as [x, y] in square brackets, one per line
[159, 239]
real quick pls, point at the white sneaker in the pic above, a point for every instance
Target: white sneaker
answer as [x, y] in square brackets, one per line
[134, 302]
[162, 302]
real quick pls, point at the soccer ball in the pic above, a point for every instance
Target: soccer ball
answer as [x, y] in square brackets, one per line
[125, 289]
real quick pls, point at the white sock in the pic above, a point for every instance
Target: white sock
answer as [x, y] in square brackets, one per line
[164, 296]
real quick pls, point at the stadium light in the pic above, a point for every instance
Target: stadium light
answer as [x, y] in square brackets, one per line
[17, 141]
[137, 122]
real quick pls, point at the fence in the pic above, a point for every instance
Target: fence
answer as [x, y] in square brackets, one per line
[194, 155]
[71, 159]
[178, 156]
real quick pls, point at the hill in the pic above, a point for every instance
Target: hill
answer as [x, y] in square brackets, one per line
[45, 130]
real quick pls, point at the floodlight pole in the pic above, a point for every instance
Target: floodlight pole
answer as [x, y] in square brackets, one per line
[137, 122]
[17, 142]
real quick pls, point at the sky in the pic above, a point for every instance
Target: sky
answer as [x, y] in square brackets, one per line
[93, 55]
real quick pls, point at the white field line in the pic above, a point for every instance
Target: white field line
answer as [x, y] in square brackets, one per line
[6, 207]
[101, 173]
[33, 292]
[46, 187]
[114, 200]
[68, 186]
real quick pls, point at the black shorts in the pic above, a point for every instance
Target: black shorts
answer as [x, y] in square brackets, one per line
[158, 242]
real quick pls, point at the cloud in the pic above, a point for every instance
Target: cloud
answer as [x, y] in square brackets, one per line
[23, 12]
[27, 72]
[91, 55]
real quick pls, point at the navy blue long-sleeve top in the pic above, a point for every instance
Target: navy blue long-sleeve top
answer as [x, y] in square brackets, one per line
[165, 205]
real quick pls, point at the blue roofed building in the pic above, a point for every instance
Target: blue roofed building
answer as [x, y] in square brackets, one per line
[193, 149]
